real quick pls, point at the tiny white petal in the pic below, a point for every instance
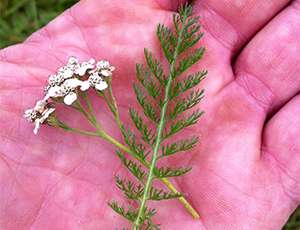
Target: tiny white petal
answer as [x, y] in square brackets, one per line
[61, 69]
[70, 98]
[36, 126]
[72, 83]
[101, 85]
[85, 86]
[72, 60]
[40, 106]
[51, 79]
[83, 68]
[103, 64]
[94, 79]
[39, 117]
[92, 61]
[81, 71]
[54, 91]
[46, 97]
[106, 73]
[67, 73]
[30, 115]
[46, 114]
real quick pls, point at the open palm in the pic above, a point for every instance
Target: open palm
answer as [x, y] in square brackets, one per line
[246, 169]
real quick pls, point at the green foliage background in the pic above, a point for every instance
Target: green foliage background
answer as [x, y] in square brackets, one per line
[20, 18]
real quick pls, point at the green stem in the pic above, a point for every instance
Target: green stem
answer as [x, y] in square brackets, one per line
[138, 222]
[84, 132]
[88, 103]
[66, 127]
[90, 117]
[91, 110]
[114, 107]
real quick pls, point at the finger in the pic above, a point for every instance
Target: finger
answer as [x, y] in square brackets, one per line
[228, 25]
[170, 4]
[268, 69]
[232, 23]
[281, 147]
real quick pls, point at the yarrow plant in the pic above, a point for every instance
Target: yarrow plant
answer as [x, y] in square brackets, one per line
[66, 83]
[160, 93]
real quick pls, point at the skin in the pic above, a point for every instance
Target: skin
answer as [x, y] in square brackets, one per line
[246, 168]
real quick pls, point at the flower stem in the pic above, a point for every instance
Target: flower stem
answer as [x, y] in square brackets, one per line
[91, 112]
[84, 132]
[66, 127]
[115, 105]
[78, 106]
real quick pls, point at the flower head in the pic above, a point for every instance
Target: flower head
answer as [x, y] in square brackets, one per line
[97, 75]
[67, 90]
[66, 83]
[104, 68]
[68, 79]
[83, 67]
[66, 72]
[97, 82]
[55, 79]
[31, 115]
[39, 114]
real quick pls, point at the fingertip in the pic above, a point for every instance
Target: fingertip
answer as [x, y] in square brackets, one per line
[171, 5]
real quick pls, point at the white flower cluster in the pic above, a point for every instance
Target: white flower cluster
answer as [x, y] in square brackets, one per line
[69, 78]
[65, 84]
[39, 114]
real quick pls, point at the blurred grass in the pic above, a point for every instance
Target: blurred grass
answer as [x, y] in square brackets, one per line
[294, 221]
[20, 18]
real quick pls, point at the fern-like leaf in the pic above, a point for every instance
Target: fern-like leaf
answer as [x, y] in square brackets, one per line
[129, 214]
[138, 149]
[133, 167]
[167, 40]
[187, 103]
[179, 125]
[187, 62]
[143, 76]
[159, 194]
[191, 34]
[189, 82]
[171, 172]
[179, 146]
[148, 109]
[147, 134]
[131, 190]
[155, 67]
[156, 89]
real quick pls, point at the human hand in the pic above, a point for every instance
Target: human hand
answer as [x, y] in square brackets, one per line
[245, 169]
